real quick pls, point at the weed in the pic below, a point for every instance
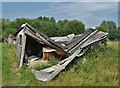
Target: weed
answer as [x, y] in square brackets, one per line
[50, 63]
[98, 67]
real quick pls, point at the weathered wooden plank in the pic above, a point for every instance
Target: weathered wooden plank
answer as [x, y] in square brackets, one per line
[85, 39]
[23, 49]
[44, 41]
[74, 47]
[74, 42]
[49, 73]
[95, 38]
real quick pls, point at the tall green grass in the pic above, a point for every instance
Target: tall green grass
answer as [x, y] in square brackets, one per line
[53, 61]
[0, 64]
[11, 74]
[98, 67]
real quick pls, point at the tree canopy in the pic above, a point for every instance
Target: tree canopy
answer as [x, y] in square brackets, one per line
[46, 25]
[51, 27]
[111, 28]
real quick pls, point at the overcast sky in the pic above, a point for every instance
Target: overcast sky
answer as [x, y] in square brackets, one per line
[90, 13]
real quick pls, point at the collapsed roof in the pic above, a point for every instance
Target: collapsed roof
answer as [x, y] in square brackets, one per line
[78, 47]
[32, 42]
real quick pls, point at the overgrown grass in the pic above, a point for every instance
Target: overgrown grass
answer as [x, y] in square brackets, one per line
[98, 67]
[50, 63]
[11, 74]
[0, 64]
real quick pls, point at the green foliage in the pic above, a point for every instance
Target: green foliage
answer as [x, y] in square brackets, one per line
[0, 28]
[113, 34]
[50, 27]
[7, 28]
[53, 20]
[42, 66]
[50, 63]
[46, 25]
[111, 28]
[74, 26]
[8, 32]
[102, 28]
[98, 67]
[11, 74]
[118, 33]
[19, 21]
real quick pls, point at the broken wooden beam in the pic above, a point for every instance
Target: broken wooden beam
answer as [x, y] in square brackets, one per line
[48, 74]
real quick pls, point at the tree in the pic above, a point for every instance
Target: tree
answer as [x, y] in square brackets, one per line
[61, 27]
[7, 28]
[61, 24]
[74, 26]
[53, 20]
[110, 27]
[19, 21]
[112, 34]
[39, 18]
[118, 33]
[103, 27]
[46, 25]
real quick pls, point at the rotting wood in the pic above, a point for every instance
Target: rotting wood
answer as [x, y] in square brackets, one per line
[28, 31]
[48, 74]
[23, 49]
[75, 47]
[48, 53]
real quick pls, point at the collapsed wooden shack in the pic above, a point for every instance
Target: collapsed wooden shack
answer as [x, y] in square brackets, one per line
[31, 44]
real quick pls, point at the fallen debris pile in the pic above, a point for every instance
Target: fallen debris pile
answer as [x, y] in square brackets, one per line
[33, 45]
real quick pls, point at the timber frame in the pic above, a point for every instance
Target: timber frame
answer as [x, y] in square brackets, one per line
[32, 43]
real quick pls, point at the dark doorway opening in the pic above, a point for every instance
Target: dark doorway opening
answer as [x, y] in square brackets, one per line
[33, 48]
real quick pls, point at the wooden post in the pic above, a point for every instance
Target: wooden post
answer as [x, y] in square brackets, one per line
[23, 49]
